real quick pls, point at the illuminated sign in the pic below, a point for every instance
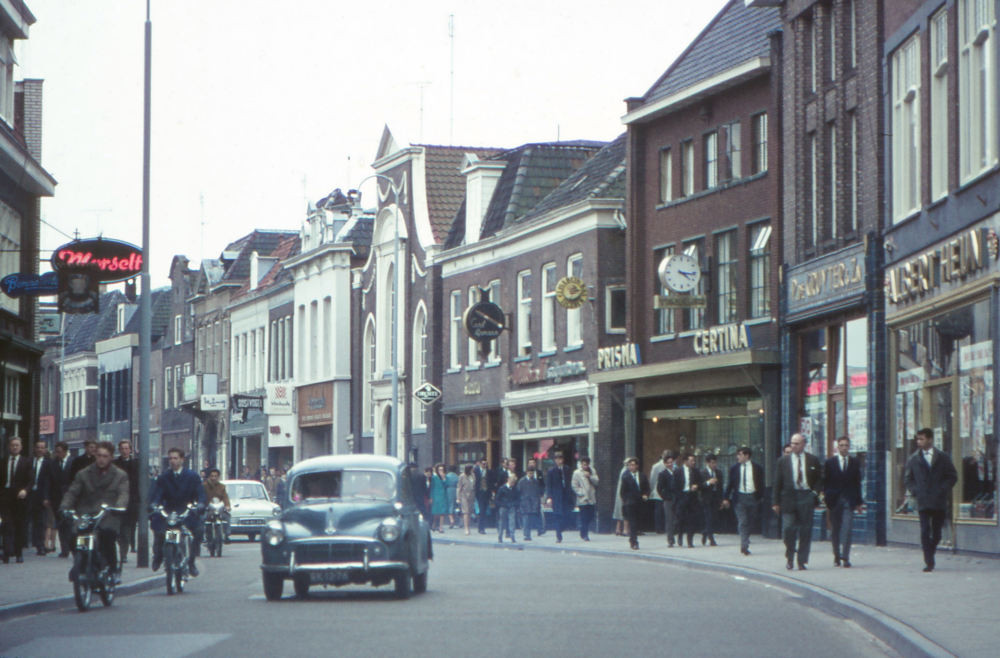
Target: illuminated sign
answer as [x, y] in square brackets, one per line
[108, 260]
[728, 338]
[32, 285]
[953, 261]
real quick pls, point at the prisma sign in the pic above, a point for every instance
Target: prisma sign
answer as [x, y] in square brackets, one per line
[108, 261]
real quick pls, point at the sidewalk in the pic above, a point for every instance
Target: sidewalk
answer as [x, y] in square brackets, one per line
[951, 611]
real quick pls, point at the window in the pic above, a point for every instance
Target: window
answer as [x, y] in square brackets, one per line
[456, 328]
[615, 309]
[906, 129]
[664, 317]
[272, 361]
[976, 86]
[524, 313]
[696, 316]
[10, 250]
[853, 163]
[369, 367]
[549, 278]
[178, 329]
[7, 80]
[731, 166]
[473, 345]
[391, 316]
[830, 193]
[327, 334]
[666, 176]
[168, 388]
[420, 364]
[314, 347]
[829, 45]
[812, 218]
[759, 136]
[939, 105]
[120, 324]
[812, 43]
[760, 270]
[687, 168]
[492, 294]
[726, 258]
[852, 33]
[711, 142]
[178, 386]
[286, 357]
[574, 326]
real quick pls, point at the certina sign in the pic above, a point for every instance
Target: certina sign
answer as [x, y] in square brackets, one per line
[619, 356]
[727, 338]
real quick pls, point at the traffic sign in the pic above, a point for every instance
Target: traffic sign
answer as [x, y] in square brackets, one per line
[428, 393]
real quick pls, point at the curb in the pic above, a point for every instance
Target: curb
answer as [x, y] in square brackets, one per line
[901, 637]
[14, 610]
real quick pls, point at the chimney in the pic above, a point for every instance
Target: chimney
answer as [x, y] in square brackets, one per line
[33, 117]
[481, 178]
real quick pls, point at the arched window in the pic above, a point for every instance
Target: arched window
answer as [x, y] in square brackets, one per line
[419, 368]
[369, 366]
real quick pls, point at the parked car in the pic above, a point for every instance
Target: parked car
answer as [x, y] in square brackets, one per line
[347, 519]
[252, 508]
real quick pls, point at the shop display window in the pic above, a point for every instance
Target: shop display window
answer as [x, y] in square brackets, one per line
[943, 378]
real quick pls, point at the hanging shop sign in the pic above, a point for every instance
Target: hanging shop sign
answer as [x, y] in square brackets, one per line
[277, 399]
[484, 321]
[30, 285]
[428, 393]
[244, 404]
[315, 404]
[108, 261]
[619, 356]
[727, 338]
[215, 402]
[79, 292]
[46, 424]
[955, 260]
[833, 279]
[571, 292]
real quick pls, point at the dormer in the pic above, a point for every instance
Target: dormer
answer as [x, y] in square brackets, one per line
[259, 267]
[481, 178]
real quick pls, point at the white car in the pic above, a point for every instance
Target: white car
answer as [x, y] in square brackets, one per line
[252, 508]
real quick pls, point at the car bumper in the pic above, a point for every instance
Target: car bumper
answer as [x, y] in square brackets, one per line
[359, 556]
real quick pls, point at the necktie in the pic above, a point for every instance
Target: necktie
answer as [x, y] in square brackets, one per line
[636, 476]
[744, 478]
[10, 473]
[798, 477]
[843, 464]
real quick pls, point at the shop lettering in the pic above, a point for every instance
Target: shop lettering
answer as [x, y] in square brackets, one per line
[473, 388]
[728, 338]
[619, 356]
[829, 280]
[524, 374]
[952, 262]
[71, 258]
[567, 369]
[316, 404]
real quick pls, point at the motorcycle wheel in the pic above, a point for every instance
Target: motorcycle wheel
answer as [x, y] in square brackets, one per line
[179, 582]
[218, 545]
[81, 586]
[107, 591]
[168, 567]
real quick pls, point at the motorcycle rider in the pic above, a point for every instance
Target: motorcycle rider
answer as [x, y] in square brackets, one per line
[174, 490]
[215, 489]
[100, 483]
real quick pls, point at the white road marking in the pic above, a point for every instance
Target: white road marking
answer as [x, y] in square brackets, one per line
[176, 645]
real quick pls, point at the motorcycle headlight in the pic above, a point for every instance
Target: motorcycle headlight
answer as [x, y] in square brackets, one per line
[173, 519]
[83, 523]
[389, 530]
[274, 533]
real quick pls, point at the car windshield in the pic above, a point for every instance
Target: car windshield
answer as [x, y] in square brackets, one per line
[246, 490]
[314, 487]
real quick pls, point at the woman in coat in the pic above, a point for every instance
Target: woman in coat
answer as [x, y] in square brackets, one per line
[439, 498]
[618, 515]
[466, 495]
[451, 491]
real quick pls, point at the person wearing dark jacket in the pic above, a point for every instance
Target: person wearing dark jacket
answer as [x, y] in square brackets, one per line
[687, 482]
[798, 479]
[175, 490]
[529, 489]
[634, 491]
[710, 497]
[484, 493]
[842, 492]
[40, 466]
[58, 481]
[16, 480]
[744, 491]
[84, 460]
[559, 494]
[507, 500]
[930, 475]
[668, 495]
[419, 484]
[126, 463]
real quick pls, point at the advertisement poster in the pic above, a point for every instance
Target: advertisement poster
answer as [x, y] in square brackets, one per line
[965, 408]
[857, 427]
[939, 438]
[911, 416]
[900, 420]
[988, 401]
[978, 437]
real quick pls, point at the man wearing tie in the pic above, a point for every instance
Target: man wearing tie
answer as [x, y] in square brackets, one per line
[798, 480]
[687, 480]
[15, 484]
[667, 492]
[58, 484]
[930, 475]
[560, 494]
[842, 475]
[745, 490]
[37, 496]
[634, 491]
[711, 497]
[175, 490]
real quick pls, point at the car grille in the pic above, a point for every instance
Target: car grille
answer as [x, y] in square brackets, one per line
[329, 553]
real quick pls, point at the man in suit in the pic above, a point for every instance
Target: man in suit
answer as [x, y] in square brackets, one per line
[930, 476]
[710, 495]
[58, 484]
[84, 460]
[484, 489]
[174, 490]
[659, 522]
[16, 481]
[797, 482]
[37, 496]
[634, 491]
[687, 481]
[667, 492]
[744, 492]
[559, 494]
[125, 462]
[842, 492]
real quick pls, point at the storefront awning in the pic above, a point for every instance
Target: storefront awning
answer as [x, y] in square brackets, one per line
[732, 360]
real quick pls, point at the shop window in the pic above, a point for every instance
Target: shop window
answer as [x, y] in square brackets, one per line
[943, 377]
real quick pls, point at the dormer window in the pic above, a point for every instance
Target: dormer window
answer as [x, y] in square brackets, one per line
[481, 178]
[7, 62]
[121, 319]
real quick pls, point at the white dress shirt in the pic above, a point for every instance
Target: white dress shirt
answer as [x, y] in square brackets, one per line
[746, 478]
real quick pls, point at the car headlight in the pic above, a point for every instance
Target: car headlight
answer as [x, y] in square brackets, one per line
[276, 511]
[389, 530]
[274, 533]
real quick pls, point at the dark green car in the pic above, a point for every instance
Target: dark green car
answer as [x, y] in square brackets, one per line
[347, 520]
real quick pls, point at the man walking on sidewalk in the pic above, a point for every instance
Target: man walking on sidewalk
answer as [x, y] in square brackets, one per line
[654, 477]
[687, 479]
[559, 492]
[842, 475]
[40, 466]
[745, 491]
[711, 497]
[16, 480]
[634, 491]
[585, 483]
[930, 475]
[667, 491]
[798, 479]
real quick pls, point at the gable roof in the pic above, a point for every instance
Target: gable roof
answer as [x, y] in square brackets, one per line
[736, 35]
[84, 331]
[288, 248]
[263, 241]
[162, 306]
[446, 184]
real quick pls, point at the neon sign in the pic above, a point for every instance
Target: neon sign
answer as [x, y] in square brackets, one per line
[108, 260]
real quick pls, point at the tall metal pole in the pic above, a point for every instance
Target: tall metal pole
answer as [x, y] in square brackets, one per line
[394, 346]
[145, 318]
[62, 377]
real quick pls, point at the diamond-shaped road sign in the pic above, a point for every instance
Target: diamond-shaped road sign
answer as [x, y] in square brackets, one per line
[427, 393]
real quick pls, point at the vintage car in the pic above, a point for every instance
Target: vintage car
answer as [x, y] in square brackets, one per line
[347, 520]
[251, 507]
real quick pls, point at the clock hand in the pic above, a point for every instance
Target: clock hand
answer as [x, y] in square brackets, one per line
[689, 275]
[499, 325]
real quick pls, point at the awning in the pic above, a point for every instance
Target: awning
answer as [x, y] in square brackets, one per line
[699, 364]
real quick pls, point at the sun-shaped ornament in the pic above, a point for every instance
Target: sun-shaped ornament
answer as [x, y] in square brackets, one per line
[571, 292]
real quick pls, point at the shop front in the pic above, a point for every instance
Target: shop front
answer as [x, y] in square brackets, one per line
[281, 429]
[550, 420]
[473, 434]
[941, 315]
[315, 418]
[247, 433]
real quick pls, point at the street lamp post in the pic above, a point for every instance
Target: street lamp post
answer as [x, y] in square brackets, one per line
[393, 346]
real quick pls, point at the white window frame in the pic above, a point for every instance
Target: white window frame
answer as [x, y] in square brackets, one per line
[696, 316]
[833, 220]
[574, 316]
[813, 189]
[939, 105]
[759, 130]
[977, 87]
[666, 176]
[666, 319]
[710, 141]
[10, 252]
[853, 36]
[369, 366]
[732, 154]
[473, 345]
[760, 270]
[726, 267]
[549, 280]
[687, 168]
[7, 63]
[420, 364]
[178, 328]
[608, 305]
[524, 313]
[456, 329]
[906, 129]
[854, 171]
[494, 289]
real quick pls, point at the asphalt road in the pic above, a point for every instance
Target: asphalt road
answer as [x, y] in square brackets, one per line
[479, 600]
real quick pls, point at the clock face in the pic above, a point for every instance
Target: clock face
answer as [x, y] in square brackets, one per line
[680, 273]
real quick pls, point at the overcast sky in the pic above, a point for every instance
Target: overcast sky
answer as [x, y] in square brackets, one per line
[260, 106]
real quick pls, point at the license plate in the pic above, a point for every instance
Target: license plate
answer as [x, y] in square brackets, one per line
[329, 577]
[174, 536]
[252, 522]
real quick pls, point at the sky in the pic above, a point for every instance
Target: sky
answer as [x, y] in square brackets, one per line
[259, 107]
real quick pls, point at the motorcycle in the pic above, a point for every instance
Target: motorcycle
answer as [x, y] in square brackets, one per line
[90, 569]
[176, 547]
[215, 528]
